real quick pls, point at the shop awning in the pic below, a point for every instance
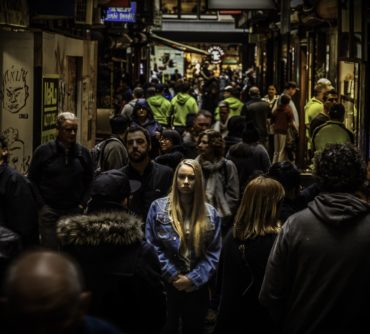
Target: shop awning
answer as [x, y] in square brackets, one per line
[177, 45]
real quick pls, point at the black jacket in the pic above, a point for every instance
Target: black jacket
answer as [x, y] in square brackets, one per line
[61, 179]
[18, 208]
[155, 183]
[240, 274]
[317, 277]
[120, 268]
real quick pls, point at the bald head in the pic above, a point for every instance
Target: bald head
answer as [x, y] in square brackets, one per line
[44, 289]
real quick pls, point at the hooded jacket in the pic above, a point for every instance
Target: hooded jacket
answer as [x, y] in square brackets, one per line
[121, 270]
[317, 277]
[182, 105]
[235, 106]
[161, 108]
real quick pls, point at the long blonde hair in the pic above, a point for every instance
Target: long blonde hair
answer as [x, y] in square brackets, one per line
[198, 218]
[258, 211]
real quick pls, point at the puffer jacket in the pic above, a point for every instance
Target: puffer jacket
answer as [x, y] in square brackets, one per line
[161, 234]
[121, 270]
[317, 277]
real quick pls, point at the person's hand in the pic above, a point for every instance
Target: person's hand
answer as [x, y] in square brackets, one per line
[183, 283]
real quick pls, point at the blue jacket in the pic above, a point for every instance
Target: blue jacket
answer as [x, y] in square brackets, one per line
[160, 233]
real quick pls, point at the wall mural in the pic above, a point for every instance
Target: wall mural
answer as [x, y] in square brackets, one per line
[17, 158]
[15, 91]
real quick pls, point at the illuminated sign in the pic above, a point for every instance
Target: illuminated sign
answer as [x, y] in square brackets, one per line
[216, 53]
[117, 14]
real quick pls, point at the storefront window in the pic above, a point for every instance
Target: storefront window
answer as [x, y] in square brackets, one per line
[351, 29]
[170, 7]
[189, 7]
[349, 93]
[357, 29]
[185, 9]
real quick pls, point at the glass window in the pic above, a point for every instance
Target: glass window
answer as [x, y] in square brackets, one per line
[203, 9]
[169, 7]
[189, 7]
[357, 29]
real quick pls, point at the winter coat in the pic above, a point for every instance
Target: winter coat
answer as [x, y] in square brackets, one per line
[161, 108]
[248, 158]
[61, 178]
[121, 270]
[172, 158]
[240, 275]
[155, 182]
[318, 273]
[18, 208]
[182, 105]
[161, 234]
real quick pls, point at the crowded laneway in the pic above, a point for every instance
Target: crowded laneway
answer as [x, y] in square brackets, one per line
[177, 166]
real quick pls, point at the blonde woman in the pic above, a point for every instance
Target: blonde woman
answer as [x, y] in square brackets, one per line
[185, 232]
[244, 256]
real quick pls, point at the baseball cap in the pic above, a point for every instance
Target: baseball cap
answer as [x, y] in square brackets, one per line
[228, 88]
[326, 82]
[113, 185]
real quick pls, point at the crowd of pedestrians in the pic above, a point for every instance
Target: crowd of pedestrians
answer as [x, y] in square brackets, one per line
[188, 207]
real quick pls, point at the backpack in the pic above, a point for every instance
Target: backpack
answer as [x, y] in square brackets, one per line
[97, 154]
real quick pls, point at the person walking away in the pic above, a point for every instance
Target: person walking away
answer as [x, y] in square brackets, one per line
[281, 119]
[316, 278]
[160, 106]
[244, 256]
[258, 111]
[182, 105]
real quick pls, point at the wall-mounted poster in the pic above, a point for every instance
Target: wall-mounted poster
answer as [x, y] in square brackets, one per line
[165, 61]
[50, 96]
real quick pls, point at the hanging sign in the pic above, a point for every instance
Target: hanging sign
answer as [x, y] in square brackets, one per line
[216, 53]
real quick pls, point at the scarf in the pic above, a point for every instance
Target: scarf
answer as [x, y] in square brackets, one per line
[214, 187]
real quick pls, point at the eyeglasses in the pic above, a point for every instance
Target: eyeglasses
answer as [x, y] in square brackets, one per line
[69, 129]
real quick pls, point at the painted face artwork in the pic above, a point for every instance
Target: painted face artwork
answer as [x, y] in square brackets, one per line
[15, 89]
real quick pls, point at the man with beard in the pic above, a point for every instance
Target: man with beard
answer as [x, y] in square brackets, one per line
[155, 179]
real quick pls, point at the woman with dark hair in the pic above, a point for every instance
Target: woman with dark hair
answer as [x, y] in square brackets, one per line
[185, 232]
[244, 256]
[220, 175]
[171, 149]
[142, 116]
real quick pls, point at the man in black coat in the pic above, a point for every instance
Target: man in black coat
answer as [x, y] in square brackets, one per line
[154, 179]
[61, 172]
[257, 111]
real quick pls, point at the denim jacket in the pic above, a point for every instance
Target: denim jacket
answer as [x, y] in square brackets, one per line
[160, 233]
